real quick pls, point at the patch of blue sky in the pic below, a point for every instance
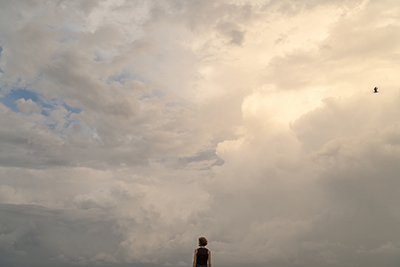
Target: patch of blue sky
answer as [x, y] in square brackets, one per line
[45, 113]
[128, 75]
[122, 78]
[10, 99]
[52, 123]
[71, 110]
[69, 122]
[105, 55]
[10, 83]
[1, 50]
[52, 126]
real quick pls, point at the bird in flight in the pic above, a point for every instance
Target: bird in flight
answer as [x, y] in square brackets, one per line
[376, 90]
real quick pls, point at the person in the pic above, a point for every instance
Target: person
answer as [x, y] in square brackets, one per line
[202, 256]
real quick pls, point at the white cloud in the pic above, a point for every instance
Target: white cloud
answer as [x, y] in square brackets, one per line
[253, 124]
[28, 106]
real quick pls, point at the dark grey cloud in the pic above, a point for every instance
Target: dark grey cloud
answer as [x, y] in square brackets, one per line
[43, 235]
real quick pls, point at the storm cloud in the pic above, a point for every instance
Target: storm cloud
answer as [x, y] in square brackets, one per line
[130, 128]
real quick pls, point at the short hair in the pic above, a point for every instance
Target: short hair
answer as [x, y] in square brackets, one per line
[202, 241]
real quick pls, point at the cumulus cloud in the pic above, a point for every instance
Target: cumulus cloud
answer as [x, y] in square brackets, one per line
[131, 128]
[28, 106]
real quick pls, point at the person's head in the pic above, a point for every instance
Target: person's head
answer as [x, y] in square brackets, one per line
[202, 241]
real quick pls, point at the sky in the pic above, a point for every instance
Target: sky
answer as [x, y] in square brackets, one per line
[128, 129]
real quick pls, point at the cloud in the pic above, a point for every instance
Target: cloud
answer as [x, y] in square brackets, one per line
[339, 60]
[36, 230]
[28, 106]
[129, 129]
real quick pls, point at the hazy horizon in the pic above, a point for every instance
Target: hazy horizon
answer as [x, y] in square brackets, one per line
[128, 129]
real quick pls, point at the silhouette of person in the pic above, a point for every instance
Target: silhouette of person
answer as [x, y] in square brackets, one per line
[376, 90]
[202, 256]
